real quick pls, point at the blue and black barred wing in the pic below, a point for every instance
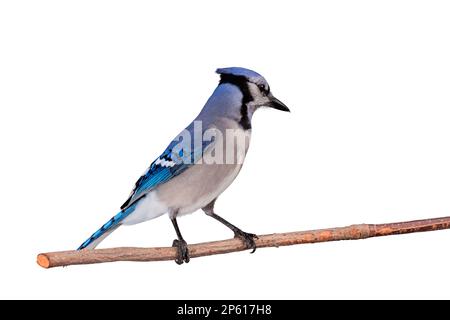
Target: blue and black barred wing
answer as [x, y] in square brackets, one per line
[174, 160]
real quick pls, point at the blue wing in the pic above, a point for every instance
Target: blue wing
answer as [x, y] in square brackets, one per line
[173, 161]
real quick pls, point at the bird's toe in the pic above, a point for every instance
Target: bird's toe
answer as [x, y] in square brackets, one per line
[182, 251]
[247, 238]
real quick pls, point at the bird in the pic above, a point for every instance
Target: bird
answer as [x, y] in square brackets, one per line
[200, 163]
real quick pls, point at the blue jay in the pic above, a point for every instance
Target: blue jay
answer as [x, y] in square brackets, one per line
[190, 176]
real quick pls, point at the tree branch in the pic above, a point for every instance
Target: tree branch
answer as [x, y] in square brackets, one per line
[353, 232]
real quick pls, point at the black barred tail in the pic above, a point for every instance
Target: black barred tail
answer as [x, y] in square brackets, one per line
[113, 223]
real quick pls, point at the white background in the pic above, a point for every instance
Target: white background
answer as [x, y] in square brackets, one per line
[92, 91]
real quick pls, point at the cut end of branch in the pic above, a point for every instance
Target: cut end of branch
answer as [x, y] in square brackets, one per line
[43, 261]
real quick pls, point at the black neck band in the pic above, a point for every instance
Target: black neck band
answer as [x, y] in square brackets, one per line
[242, 83]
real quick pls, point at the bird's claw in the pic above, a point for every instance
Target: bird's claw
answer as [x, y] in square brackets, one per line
[247, 238]
[182, 252]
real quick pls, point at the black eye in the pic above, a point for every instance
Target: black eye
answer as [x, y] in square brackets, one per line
[262, 88]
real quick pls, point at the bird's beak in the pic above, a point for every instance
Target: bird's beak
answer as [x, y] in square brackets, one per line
[277, 104]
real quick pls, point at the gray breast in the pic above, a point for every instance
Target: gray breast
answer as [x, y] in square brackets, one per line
[205, 181]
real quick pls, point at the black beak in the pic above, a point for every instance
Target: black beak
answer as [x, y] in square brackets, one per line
[277, 104]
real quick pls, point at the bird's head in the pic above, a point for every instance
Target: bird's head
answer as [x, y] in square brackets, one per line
[254, 87]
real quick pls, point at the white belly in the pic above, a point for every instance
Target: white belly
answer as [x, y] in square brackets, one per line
[210, 193]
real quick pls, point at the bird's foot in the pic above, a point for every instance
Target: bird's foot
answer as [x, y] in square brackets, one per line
[183, 252]
[247, 238]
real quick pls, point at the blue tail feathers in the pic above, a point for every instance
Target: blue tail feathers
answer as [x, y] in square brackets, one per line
[109, 226]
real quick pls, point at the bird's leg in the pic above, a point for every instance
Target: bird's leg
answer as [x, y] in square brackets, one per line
[247, 238]
[180, 244]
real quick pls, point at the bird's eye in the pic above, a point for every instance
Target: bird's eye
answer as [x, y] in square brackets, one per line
[262, 88]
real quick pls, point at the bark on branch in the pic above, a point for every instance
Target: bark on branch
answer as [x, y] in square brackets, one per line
[353, 232]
